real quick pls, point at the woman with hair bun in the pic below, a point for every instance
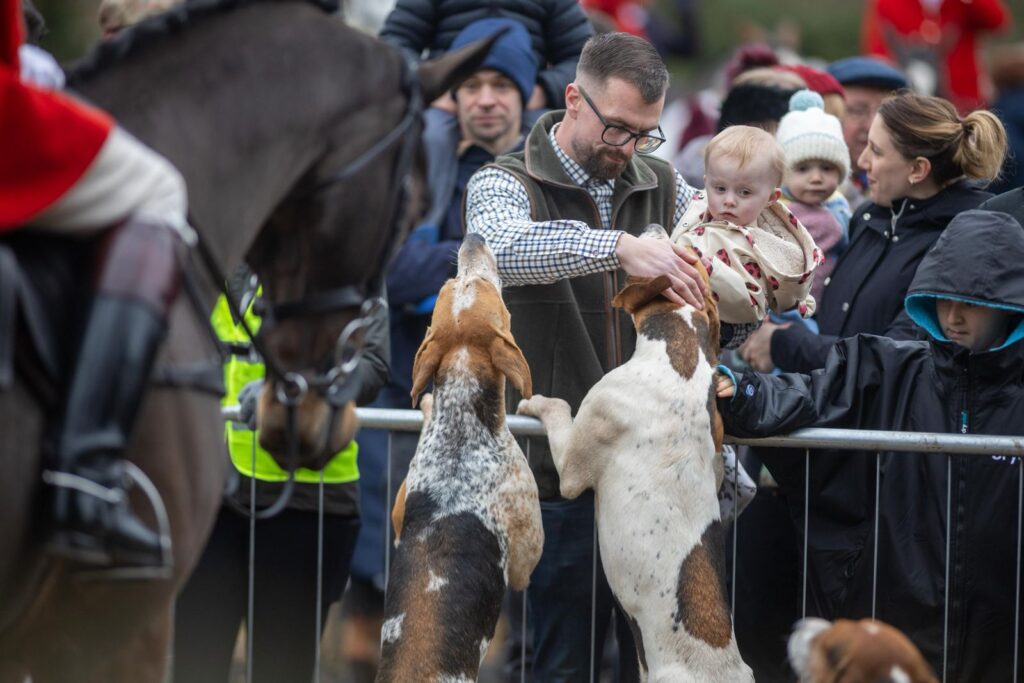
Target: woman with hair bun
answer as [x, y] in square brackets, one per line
[923, 162]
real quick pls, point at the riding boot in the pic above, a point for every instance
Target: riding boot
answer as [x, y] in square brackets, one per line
[139, 276]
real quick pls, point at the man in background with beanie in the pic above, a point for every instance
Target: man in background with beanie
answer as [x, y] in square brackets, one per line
[867, 82]
[489, 114]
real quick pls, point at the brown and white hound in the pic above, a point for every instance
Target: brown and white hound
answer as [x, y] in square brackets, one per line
[865, 651]
[467, 518]
[647, 438]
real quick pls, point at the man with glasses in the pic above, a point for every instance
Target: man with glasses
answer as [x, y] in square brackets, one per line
[563, 219]
[867, 82]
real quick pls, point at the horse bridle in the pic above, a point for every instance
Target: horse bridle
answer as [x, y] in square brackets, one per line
[331, 384]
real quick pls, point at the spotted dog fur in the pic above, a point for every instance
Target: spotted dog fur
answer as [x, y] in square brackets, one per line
[467, 517]
[646, 439]
[865, 651]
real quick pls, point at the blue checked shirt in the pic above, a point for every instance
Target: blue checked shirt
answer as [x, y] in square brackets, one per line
[532, 253]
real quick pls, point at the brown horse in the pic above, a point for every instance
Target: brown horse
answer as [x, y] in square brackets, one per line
[291, 131]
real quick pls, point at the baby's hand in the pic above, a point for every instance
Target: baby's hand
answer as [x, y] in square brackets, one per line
[724, 386]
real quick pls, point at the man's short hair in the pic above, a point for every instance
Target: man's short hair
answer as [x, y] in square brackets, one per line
[625, 56]
[745, 144]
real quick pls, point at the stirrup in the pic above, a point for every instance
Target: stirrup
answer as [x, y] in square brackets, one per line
[162, 570]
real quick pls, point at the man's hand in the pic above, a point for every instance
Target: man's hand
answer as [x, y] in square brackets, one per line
[649, 258]
[757, 350]
[724, 387]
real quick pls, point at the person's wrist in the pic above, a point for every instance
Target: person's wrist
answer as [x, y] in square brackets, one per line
[623, 243]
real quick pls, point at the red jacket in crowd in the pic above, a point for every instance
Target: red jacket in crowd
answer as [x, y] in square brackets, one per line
[946, 29]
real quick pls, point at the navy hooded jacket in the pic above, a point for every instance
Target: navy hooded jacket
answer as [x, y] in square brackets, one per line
[872, 382]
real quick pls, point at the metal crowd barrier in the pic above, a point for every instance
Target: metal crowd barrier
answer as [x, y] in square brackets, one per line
[862, 440]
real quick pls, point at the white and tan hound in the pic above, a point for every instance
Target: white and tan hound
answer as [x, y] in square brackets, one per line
[467, 516]
[865, 651]
[647, 439]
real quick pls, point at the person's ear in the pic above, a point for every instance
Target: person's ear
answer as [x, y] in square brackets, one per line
[572, 100]
[920, 169]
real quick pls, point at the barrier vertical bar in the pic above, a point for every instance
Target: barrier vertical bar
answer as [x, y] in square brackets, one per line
[735, 525]
[807, 516]
[522, 650]
[874, 554]
[319, 574]
[387, 522]
[251, 594]
[949, 536]
[593, 599]
[1016, 603]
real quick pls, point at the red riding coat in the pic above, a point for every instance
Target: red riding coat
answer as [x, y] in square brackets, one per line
[951, 32]
[47, 140]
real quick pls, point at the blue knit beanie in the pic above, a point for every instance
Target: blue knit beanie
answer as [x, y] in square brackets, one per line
[512, 55]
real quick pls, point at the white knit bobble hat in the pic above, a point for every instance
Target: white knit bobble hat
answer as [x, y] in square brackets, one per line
[807, 132]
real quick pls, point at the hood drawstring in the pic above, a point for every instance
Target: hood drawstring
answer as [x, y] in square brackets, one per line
[896, 216]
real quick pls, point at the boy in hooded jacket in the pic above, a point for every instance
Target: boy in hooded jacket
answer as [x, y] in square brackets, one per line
[967, 378]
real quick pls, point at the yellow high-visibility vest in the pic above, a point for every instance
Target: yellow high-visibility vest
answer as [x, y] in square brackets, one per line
[239, 371]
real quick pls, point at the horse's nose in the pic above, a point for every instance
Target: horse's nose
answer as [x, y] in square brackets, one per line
[313, 435]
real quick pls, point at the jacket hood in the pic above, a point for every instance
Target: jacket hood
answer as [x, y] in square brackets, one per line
[977, 259]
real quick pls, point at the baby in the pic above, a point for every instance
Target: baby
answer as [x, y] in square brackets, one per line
[817, 162]
[761, 257]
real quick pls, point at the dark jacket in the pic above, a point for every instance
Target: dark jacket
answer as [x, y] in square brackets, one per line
[1011, 202]
[568, 331]
[558, 28]
[865, 292]
[872, 382]
[1010, 109]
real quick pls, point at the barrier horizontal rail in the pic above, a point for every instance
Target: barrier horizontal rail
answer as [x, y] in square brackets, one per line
[847, 439]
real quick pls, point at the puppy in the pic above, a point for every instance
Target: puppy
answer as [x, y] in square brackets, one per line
[864, 651]
[647, 439]
[467, 517]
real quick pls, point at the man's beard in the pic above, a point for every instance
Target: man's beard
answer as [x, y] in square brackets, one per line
[600, 162]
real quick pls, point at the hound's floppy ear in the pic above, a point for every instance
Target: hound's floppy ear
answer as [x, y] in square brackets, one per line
[507, 357]
[428, 357]
[638, 292]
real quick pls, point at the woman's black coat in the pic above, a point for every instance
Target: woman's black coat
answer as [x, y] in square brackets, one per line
[865, 292]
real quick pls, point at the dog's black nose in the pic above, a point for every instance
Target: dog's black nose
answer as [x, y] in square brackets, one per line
[474, 240]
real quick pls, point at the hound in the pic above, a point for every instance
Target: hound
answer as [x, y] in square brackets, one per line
[865, 651]
[648, 440]
[467, 518]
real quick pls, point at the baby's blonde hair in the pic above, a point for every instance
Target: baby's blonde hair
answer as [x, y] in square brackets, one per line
[747, 143]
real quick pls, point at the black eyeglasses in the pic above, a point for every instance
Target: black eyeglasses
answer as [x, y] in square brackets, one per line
[617, 136]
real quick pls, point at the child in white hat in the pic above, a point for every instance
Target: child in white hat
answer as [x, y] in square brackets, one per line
[817, 163]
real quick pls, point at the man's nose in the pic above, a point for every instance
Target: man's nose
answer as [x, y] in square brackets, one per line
[486, 95]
